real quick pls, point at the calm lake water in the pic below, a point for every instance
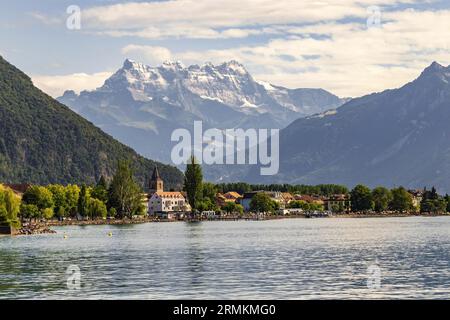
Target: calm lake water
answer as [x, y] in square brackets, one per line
[286, 259]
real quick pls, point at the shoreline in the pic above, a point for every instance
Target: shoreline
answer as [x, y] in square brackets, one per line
[45, 227]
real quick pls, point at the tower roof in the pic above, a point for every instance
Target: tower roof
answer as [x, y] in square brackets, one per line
[155, 175]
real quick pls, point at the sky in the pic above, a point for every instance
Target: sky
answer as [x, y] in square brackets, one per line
[349, 47]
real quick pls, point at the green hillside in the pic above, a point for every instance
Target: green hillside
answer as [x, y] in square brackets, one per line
[43, 141]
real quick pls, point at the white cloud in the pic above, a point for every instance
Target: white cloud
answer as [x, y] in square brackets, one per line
[347, 59]
[148, 54]
[56, 85]
[309, 43]
[214, 19]
[45, 19]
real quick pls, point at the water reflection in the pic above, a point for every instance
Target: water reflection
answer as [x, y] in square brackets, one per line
[290, 259]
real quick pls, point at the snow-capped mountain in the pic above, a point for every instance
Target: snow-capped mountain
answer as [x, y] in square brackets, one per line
[141, 105]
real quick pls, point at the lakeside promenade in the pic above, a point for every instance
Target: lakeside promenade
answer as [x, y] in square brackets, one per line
[43, 227]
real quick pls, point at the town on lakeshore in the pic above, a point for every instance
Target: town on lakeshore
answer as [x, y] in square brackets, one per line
[29, 209]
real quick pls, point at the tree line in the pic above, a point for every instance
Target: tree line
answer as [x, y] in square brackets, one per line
[321, 189]
[122, 197]
[381, 199]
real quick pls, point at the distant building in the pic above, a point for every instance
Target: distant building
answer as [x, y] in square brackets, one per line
[166, 205]
[417, 197]
[310, 199]
[233, 196]
[340, 201]
[247, 199]
[287, 198]
[156, 183]
[222, 199]
[162, 203]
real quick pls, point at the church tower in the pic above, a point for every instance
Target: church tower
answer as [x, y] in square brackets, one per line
[156, 183]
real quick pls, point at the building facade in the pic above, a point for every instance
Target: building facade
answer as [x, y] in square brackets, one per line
[167, 205]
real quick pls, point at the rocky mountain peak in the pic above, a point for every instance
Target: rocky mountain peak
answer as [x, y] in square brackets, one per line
[436, 70]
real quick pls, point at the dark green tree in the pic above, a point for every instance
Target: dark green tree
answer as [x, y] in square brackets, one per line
[361, 198]
[231, 207]
[261, 202]
[29, 211]
[97, 208]
[193, 183]
[112, 212]
[124, 194]
[9, 207]
[100, 191]
[72, 196]
[434, 206]
[209, 191]
[39, 196]
[432, 202]
[447, 199]
[381, 198]
[59, 199]
[83, 200]
[401, 200]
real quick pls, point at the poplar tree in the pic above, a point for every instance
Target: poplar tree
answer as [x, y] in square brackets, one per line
[193, 183]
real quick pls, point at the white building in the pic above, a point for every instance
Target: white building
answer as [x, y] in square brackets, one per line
[165, 204]
[162, 203]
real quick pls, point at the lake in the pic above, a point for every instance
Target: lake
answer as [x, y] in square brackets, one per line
[336, 258]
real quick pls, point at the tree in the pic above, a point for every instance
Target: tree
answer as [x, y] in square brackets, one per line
[206, 205]
[261, 202]
[316, 207]
[112, 212]
[72, 196]
[48, 213]
[432, 202]
[9, 207]
[209, 191]
[299, 204]
[447, 199]
[59, 199]
[97, 208]
[83, 201]
[29, 211]
[39, 196]
[193, 183]
[60, 212]
[100, 191]
[401, 200]
[125, 195]
[381, 198]
[433, 206]
[336, 208]
[361, 198]
[231, 207]
[433, 195]
[4, 216]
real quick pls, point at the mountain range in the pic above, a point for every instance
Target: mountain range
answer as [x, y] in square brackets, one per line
[396, 137]
[141, 105]
[391, 138]
[42, 141]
